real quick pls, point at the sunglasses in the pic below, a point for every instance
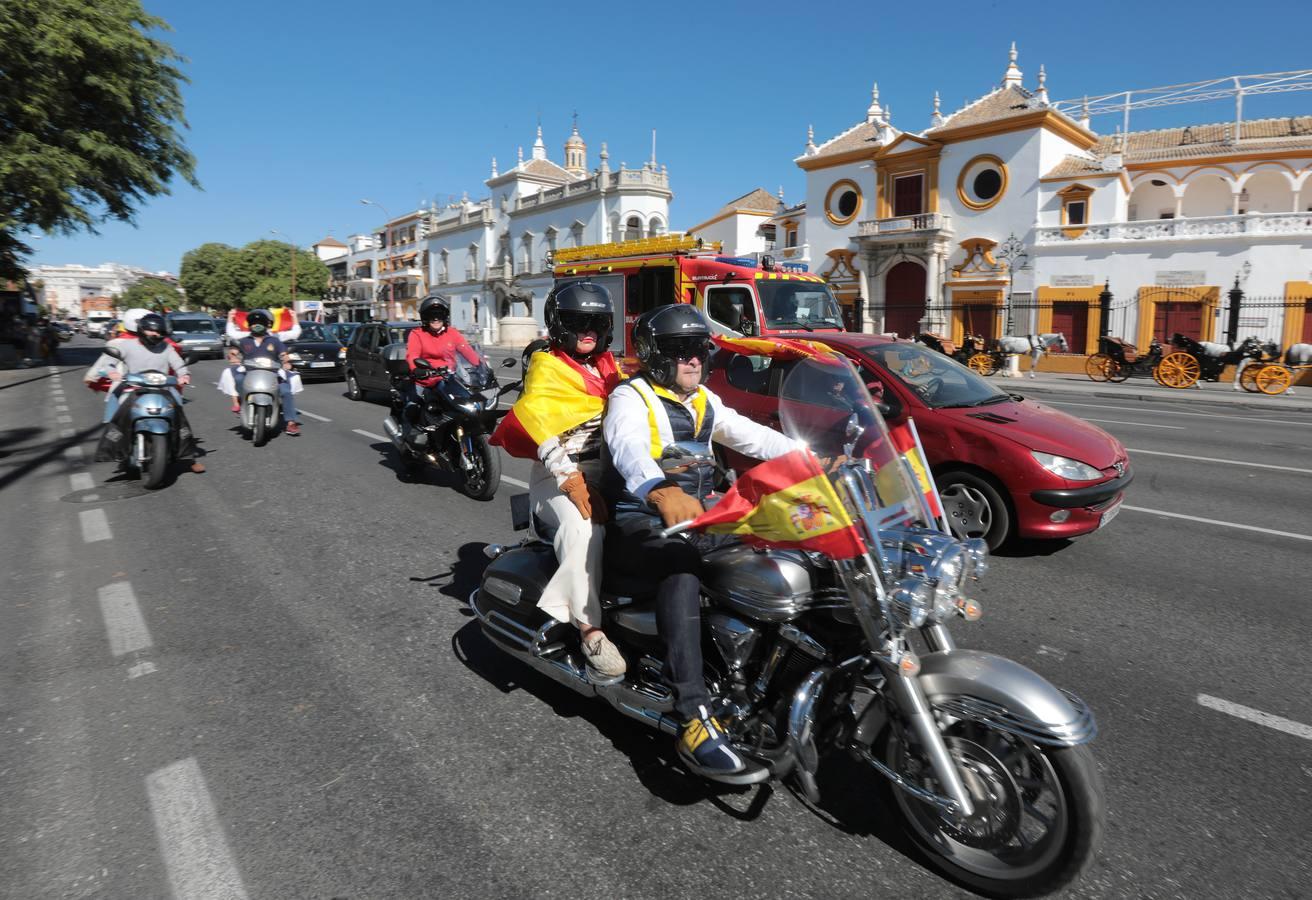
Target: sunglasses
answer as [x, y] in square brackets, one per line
[581, 322]
[687, 349]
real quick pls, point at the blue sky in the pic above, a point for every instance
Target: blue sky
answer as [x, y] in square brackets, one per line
[299, 109]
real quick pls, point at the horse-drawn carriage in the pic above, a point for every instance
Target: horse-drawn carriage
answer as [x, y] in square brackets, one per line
[990, 360]
[1183, 366]
[1272, 375]
[971, 353]
[1116, 360]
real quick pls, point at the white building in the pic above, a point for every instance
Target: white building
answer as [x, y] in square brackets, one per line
[64, 287]
[1013, 212]
[491, 256]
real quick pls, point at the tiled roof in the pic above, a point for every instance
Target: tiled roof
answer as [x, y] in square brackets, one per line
[1290, 133]
[330, 241]
[759, 200]
[1075, 166]
[863, 135]
[1003, 103]
[545, 168]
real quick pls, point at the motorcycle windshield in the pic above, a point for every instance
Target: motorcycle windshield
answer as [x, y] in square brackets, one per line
[824, 402]
[476, 377]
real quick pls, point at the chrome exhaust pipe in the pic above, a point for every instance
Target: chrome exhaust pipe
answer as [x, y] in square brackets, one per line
[531, 647]
[393, 432]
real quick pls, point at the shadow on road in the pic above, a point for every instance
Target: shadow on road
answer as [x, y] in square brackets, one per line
[1020, 548]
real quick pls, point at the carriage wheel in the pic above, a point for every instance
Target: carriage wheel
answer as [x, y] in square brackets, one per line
[1117, 372]
[1273, 379]
[1099, 367]
[1178, 370]
[1248, 377]
[982, 363]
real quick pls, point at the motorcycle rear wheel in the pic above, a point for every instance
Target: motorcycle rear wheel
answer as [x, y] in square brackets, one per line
[481, 481]
[1039, 812]
[157, 466]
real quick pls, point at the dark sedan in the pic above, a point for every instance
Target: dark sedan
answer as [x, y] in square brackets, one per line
[317, 353]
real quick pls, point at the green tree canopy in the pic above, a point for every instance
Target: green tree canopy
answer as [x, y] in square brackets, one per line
[90, 107]
[259, 274]
[154, 294]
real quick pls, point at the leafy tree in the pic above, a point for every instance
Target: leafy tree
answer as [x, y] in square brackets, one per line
[259, 274]
[90, 107]
[154, 294]
[202, 279]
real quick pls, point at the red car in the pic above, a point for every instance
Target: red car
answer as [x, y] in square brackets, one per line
[1004, 466]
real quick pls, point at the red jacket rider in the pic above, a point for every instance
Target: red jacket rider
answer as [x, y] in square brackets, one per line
[435, 340]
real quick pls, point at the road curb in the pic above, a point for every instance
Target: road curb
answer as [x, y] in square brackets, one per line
[1274, 404]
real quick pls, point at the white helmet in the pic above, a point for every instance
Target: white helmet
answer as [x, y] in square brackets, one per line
[131, 317]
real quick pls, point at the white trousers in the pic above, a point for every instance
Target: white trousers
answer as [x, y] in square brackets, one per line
[572, 593]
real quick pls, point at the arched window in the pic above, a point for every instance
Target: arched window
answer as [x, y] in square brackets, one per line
[655, 226]
[576, 234]
[633, 229]
[526, 253]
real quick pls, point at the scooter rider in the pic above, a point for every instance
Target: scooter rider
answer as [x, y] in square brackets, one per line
[557, 422]
[261, 344]
[664, 403]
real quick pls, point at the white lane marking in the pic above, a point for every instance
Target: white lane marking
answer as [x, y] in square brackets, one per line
[515, 481]
[62, 407]
[1228, 462]
[145, 667]
[1140, 424]
[123, 622]
[66, 432]
[74, 452]
[313, 416]
[95, 526]
[1172, 412]
[1256, 716]
[1171, 515]
[63, 420]
[81, 481]
[1045, 650]
[196, 854]
[370, 434]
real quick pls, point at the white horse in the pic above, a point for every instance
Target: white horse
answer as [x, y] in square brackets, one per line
[1298, 355]
[1250, 349]
[1033, 344]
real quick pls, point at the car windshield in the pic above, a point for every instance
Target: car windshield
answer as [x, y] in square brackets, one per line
[798, 304]
[939, 381]
[399, 334]
[192, 326]
[342, 331]
[313, 331]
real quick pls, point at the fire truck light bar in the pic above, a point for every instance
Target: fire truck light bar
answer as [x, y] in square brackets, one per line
[673, 243]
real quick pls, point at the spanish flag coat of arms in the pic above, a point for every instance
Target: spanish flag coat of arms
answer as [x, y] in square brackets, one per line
[559, 394]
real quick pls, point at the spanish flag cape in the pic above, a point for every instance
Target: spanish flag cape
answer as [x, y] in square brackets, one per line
[787, 502]
[284, 319]
[559, 394]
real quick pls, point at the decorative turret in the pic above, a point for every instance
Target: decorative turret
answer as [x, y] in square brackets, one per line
[810, 141]
[539, 148]
[1012, 77]
[520, 156]
[604, 168]
[576, 152]
[936, 117]
[1041, 94]
[875, 113]
[494, 168]
[1084, 112]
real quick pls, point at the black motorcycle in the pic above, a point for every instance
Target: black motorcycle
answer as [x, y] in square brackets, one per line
[448, 426]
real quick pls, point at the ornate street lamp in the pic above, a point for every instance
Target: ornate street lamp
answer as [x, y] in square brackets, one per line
[1011, 251]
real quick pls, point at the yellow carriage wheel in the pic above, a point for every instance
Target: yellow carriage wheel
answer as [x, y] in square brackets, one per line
[1273, 379]
[1248, 378]
[1178, 370]
[1098, 367]
[982, 363]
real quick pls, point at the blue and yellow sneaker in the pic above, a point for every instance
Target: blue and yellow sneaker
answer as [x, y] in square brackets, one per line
[704, 747]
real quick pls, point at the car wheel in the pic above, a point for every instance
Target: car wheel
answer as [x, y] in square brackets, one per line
[975, 508]
[353, 391]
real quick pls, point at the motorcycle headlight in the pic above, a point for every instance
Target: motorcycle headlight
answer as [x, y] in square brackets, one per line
[471, 407]
[946, 574]
[977, 557]
[1070, 469]
[913, 600]
[154, 379]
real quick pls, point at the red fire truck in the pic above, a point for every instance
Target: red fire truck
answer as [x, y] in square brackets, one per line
[738, 296]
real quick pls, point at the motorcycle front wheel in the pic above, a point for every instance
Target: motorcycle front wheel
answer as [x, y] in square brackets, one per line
[481, 480]
[157, 465]
[259, 427]
[1038, 818]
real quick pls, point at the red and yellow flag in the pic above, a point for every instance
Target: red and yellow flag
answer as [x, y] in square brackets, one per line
[775, 348]
[908, 446]
[787, 502]
[559, 394]
[284, 319]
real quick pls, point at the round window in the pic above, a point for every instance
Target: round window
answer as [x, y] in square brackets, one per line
[982, 183]
[843, 202]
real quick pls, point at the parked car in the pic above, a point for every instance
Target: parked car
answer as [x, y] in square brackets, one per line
[342, 331]
[366, 356]
[1004, 465]
[197, 334]
[317, 353]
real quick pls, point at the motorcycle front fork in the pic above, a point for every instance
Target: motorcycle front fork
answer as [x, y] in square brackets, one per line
[140, 452]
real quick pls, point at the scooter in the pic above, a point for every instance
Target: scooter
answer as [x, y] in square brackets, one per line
[259, 399]
[153, 421]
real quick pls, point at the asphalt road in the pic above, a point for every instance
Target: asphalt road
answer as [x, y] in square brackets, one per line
[262, 681]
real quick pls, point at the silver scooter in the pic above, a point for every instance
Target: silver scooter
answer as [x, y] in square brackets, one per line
[153, 421]
[260, 406]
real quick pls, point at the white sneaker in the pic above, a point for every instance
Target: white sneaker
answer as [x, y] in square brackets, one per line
[602, 656]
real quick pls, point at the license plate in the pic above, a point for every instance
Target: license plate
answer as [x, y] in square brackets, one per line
[1108, 515]
[321, 365]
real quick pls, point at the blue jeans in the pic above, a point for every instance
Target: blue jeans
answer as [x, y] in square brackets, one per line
[284, 395]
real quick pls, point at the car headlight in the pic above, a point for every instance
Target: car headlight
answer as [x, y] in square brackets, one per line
[294, 357]
[1070, 469]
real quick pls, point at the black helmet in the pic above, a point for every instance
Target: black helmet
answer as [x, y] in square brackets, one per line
[666, 334]
[577, 307]
[435, 306]
[258, 321]
[151, 322]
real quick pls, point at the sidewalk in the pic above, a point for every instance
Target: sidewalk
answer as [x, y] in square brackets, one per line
[1047, 384]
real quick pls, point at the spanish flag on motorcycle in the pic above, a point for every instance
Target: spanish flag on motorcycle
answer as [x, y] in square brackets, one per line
[559, 394]
[787, 502]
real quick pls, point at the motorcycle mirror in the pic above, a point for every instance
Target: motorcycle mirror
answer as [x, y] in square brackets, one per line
[113, 352]
[423, 365]
[507, 364]
[683, 455]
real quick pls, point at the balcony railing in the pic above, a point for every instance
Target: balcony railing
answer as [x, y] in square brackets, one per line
[897, 225]
[1184, 229]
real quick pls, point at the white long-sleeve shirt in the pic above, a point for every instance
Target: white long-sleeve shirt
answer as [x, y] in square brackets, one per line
[628, 437]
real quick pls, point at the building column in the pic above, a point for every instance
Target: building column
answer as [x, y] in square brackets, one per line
[874, 318]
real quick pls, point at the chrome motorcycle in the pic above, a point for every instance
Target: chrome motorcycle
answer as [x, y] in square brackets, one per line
[987, 763]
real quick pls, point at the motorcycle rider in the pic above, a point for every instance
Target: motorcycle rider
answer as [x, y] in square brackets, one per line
[148, 350]
[667, 402]
[436, 342]
[260, 344]
[562, 403]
